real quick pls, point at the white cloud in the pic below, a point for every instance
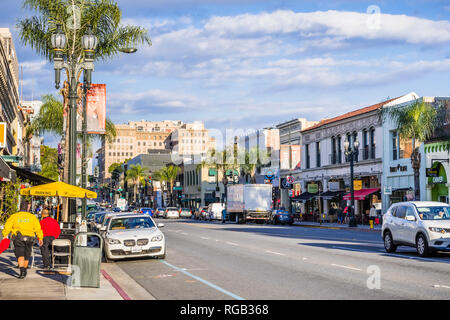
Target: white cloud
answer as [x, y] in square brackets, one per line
[333, 24]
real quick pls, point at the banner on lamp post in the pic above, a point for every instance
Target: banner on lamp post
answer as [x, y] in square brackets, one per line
[95, 109]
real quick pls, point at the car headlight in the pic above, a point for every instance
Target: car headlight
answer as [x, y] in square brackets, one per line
[157, 238]
[113, 241]
[438, 230]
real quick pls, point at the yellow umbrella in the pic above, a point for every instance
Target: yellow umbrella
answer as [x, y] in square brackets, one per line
[58, 189]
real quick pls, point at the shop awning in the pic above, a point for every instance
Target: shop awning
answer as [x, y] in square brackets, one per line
[34, 178]
[361, 194]
[6, 173]
[305, 196]
[60, 189]
[330, 195]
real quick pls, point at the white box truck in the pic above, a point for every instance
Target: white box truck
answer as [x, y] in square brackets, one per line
[249, 202]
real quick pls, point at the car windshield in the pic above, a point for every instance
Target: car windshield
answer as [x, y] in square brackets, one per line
[434, 213]
[131, 223]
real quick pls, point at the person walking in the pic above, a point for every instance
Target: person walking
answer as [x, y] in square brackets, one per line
[51, 231]
[23, 227]
[373, 214]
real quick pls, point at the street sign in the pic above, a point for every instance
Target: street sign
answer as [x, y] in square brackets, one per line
[388, 190]
[357, 185]
[178, 188]
[2, 134]
[432, 172]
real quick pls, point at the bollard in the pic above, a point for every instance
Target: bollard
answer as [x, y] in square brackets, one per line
[371, 224]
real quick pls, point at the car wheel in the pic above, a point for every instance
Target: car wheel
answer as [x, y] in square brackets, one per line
[389, 245]
[106, 259]
[422, 246]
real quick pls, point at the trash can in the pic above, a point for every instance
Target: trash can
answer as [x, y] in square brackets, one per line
[87, 258]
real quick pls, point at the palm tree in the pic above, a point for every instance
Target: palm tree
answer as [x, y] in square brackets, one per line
[137, 174]
[49, 160]
[254, 159]
[416, 122]
[103, 17]
[168, 175]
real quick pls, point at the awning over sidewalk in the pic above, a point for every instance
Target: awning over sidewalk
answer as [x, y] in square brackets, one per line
[330, 194]
[28, 175]
[6, 173]
[305, 196]
[361, 194]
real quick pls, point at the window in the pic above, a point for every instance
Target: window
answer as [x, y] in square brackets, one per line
[394, 145]
[339, 149]
[307, 156]
[400, 212]
[372, 143]
[365, 144]
[139, 143]
[333, 150]
[318, 154]
[410, 212]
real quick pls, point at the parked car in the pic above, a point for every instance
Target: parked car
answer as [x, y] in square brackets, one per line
[159, 213]
[185, 213]
[200, 213]
[133, 235]
[215, 211]
[283, 217]
[148, 211]
[116, 209]
[171, 212]
[424, 225]
[96, 220]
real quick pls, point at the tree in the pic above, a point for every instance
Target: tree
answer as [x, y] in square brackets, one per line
[49, 161]
[137, 175]
[417, 122]
[168, 175]
[76, 17]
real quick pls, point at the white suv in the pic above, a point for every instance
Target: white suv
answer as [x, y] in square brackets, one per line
[424, 225]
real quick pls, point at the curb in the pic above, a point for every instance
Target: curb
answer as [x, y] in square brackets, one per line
[335, 228]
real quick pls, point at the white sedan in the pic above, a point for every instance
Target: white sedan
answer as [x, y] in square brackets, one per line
[133, 235]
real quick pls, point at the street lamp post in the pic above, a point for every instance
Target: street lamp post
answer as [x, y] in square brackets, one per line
[73, 68]
[351, 153]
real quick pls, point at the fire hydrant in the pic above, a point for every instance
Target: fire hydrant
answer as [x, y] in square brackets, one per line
[371, 224]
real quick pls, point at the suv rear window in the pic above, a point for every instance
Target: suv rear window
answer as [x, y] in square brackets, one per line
[400, 212]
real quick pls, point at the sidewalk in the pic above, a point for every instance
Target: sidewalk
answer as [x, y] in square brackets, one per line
[337, 226]
[39, 285]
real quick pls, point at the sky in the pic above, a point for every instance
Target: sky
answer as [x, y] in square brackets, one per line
[252, 64]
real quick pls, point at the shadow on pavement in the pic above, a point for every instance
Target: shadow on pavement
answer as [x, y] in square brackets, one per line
[403, 253]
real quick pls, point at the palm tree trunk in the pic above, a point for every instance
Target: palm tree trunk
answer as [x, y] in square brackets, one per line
[415, 163]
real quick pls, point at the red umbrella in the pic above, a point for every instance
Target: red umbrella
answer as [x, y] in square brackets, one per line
[4, 244]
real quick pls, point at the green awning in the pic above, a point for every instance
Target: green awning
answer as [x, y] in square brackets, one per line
[212, 172]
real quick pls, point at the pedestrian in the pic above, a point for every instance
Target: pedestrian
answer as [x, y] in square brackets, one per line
[373, 214]
[51, 231]
[339, 214]
[23, 227]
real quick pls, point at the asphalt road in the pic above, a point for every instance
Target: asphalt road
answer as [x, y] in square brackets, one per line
[214, 261]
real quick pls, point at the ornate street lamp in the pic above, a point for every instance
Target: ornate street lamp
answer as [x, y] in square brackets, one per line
[351, 152]
[73, 67]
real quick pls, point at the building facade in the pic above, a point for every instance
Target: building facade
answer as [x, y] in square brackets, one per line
[325, 176]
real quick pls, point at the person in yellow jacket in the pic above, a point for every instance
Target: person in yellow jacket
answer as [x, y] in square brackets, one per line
[23, 226]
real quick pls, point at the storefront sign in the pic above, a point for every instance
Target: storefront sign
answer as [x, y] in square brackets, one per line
[357, 185]
[2, 134]
[439, 179]
[313, 188]
[432, 172]
[398, 168]
[333, 186]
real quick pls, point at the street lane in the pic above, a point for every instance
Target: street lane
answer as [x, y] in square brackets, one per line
[216, 261]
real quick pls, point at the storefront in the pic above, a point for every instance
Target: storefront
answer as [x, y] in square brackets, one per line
[437, 173]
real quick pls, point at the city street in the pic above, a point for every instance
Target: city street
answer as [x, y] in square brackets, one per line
[211, 260]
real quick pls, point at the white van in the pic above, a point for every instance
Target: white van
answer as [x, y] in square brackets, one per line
[215, 211]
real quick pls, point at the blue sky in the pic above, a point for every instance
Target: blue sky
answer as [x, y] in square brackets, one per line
[252, 64]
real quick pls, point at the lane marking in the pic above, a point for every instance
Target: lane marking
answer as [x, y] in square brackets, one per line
[393, 254]
[184, 233]
[232, 243]
[204, 281]
[273, 252]
[441, 286]
[346, 267]
[204, 238]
